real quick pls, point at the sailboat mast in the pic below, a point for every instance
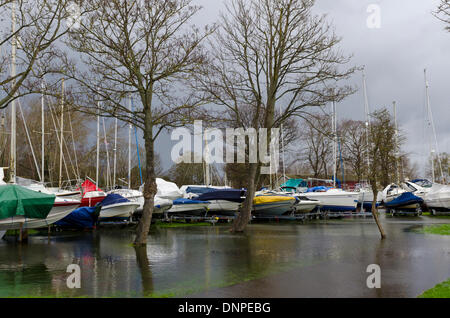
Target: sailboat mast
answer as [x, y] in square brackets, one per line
[115, 154]
[367, 123]
[334, 144]
[397, 157]
[13, 102]
[130, 127]
[43, 133]
[282, 145]
[98, 145]
[433, 129]
[62, 135]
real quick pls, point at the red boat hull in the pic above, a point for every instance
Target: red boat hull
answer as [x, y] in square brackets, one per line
[90, 202]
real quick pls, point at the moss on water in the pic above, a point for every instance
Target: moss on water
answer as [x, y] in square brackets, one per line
[441, 290]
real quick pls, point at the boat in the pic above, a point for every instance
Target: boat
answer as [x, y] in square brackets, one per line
[305, 205]
[332, 199]
[225, 201]
[132, 195]
[294, 186]
[116, 206]
[81, 218]
[189, 207]
[404, 202]
[91, 194]
[365, 197]
[437, 198]
[27, 209]
[272, 205]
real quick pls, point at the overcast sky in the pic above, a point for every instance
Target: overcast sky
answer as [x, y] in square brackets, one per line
[409, 39]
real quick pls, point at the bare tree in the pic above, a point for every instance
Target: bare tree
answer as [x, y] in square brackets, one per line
[272, 55]
[35, 29]
[443, 13]
[382, 149]
[317, 138]
[142, 49]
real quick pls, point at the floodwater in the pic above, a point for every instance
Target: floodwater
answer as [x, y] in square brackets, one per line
[326, 258]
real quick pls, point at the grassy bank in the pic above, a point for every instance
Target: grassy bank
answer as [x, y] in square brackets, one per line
[441, 290]
[442, 229]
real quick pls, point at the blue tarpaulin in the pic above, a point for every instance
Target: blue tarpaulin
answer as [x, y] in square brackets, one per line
[83, 217]
[113, 198]
[404, 199]
[319, 189]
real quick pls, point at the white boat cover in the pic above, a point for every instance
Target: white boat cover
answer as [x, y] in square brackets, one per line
[166, 190]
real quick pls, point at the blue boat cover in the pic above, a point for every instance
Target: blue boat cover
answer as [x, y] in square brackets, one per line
[187, 201]
[113, 198]
[319, 189]
[83, 217]
[233, 195]
[406, 198]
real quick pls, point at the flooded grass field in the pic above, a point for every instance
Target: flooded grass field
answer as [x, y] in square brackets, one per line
[326, 258]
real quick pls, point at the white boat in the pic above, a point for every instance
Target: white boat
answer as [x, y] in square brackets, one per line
[189, 207]
[305, 205]
[438, 198]
[335, 200]
[61, 208]
[119, 210]
[161, 205]
[132, 195]
[393, 191]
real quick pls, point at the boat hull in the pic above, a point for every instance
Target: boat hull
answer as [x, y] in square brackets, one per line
[118, 210]
[339, 202]
[273, 208]
[305, 206]
[189, 209]
[223, 207]
[59, 211]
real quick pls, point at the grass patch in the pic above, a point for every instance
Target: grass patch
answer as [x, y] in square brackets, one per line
[30, 232]
[436, 216]
[441, 290]
[442, 229]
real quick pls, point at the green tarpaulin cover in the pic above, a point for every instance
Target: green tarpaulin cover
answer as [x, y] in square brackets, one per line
[17, 200]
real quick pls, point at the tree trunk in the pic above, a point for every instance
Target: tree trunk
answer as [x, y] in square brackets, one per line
[144, 267]
[241, 221]
[150, 189]
[375, 211]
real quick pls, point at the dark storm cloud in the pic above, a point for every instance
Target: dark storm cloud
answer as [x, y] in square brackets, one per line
[409, 39]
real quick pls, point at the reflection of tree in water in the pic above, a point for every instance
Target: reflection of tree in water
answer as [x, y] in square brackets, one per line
[144, 267]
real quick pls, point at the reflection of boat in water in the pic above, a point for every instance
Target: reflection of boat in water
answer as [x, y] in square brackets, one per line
[28, 209]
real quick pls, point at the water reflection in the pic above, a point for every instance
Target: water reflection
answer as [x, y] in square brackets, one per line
[318, 259]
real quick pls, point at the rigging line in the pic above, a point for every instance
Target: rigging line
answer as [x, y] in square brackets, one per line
[57, 136]
[29, 139]
[74, 149]
[108, 172]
